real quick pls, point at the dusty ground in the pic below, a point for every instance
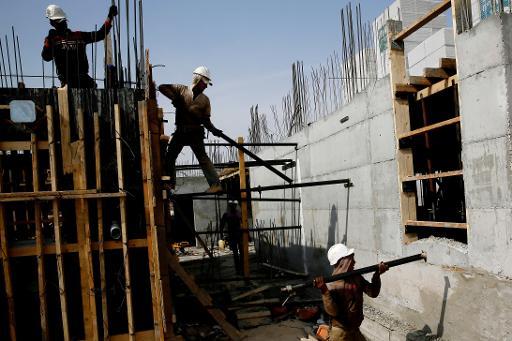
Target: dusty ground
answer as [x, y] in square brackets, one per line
[283, 331]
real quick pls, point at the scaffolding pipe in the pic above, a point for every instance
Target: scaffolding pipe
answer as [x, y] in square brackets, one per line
[303, 184]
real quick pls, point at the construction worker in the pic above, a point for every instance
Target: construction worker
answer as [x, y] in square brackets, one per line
[343, 299]
[192, 116]
[67, 48]
[233, 220]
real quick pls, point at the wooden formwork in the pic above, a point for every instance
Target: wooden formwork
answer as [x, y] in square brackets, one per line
[82, 168]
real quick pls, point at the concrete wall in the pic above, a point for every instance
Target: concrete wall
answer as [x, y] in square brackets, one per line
[485, 87]
[464, 291]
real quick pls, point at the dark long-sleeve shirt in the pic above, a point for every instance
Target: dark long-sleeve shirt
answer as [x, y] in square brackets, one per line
[231, 220]
[190, 111]
[68, 49]
[343, 300]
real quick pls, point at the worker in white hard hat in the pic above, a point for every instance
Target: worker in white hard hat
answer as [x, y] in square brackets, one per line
[193, 113]
[343, 299]
[68, 48]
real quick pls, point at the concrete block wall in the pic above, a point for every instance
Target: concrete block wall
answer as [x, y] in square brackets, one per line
[428, 53]
[407, 11]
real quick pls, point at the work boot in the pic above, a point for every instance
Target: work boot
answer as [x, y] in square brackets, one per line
[215, 188]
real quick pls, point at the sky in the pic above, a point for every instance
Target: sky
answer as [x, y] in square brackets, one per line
[249, 46]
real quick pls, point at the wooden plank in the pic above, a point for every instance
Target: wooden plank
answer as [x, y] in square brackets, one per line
[437, 87]
[78, 161]
[429, 16]
[429, 128]
[398, 75]
[41, 273]
[203, 298]
[244, 211]
[430, 72]
[149, 214]
[405, 89]
[448, 64]
[4, 107]
[437, 224]
[65, 133]
[432, 176]
[100, 244]
[419, 81]
[146, 335]
[6, 265]
[50, 249]
[56, 224]
[22, 145]
[124, 232]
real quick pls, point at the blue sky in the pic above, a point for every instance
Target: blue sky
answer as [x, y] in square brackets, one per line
[249, 46]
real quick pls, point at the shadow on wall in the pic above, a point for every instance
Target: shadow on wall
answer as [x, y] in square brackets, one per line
[333, 227]
[425, 334]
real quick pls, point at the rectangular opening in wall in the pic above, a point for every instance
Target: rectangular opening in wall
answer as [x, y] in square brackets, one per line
[437, 171]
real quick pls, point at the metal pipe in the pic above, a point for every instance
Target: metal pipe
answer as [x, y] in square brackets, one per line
[277, 228]
[368, 269]
[261, 144]
[235, 164]
[255, 157]
[297, 185]
[135, 50]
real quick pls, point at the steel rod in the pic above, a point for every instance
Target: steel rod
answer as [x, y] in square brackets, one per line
[255, 157]
[261, 144]
[19, 56]
[3, 63]
[235, 164]
[297, 185]
[8, 58]
[368, 269]
[276, 228]
[15, 56]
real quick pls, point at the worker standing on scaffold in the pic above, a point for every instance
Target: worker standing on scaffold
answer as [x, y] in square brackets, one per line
[192, 116]
[67, 48]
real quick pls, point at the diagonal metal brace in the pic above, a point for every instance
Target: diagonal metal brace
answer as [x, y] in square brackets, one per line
[255, 157]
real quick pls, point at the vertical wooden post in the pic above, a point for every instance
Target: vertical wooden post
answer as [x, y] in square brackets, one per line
[56, 224]
[398, 75]
[41, 274]
[65, 133]
[245, 212]
[84, 234]
[150, 220]
[7, 268]
[124, 232]
[99, 208]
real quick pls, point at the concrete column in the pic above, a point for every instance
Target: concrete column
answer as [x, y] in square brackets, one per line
[484, 64]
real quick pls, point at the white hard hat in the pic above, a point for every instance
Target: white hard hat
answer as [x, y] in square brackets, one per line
[337, 252]
[54, 12]
[203, 72]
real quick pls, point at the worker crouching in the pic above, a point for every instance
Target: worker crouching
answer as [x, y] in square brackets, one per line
[193, 113]
[343, 299]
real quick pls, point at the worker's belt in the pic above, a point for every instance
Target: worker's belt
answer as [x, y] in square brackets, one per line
[189, 129]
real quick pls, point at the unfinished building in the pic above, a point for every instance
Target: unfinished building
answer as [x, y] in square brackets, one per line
[415, 156]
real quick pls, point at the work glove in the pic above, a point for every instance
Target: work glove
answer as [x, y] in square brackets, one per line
[215, 131]
[112, 12]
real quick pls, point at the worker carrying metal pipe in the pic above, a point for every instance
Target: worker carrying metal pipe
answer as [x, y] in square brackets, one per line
[343, 299]
[193, 113]
[68, 48]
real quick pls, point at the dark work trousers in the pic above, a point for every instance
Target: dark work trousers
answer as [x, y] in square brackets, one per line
[235, 246]
[195, 141]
